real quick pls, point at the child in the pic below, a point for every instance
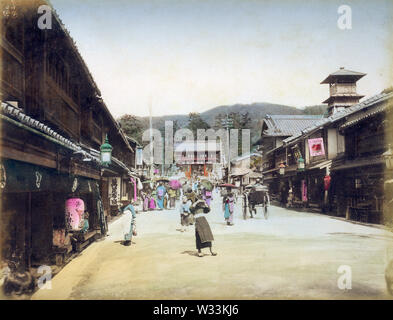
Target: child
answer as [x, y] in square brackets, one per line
[85, 222]
[184, 214]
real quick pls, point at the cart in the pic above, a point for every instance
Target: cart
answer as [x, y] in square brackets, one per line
[255, 199]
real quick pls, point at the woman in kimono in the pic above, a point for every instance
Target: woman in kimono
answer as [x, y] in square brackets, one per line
[129, 226]
[161, 191]
[152, 202]
[228, 207]
[203, 233]
[172, 198]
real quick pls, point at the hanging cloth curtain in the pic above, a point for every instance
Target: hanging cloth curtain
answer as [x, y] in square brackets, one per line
[135, 187]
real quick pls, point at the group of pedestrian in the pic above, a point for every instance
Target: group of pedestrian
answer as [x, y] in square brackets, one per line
[159, 196]
[196, 200]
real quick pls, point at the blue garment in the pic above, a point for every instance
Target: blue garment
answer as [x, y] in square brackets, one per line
[85, 225]
[227, 212]
[185, 207]
[128, 235]
[160, 199]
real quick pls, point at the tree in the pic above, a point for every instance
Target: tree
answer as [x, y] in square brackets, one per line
[132, 126]
[195, 122]
[240, 121]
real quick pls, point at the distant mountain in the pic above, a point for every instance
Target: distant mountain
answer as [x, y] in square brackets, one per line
[256, 111]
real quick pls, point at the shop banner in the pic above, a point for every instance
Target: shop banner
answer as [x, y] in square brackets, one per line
[296, 152]
[316, 147]
[304, 191]
[114, 191]
[139, 156]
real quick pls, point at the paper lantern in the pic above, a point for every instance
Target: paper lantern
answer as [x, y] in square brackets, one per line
[75, 208]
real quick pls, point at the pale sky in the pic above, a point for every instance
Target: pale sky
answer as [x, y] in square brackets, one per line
[190, 55]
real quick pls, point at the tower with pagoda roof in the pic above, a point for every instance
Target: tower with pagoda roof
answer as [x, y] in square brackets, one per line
[342, 87]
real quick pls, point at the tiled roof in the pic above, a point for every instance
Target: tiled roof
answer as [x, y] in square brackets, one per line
[15, 115]
[245, 156]
[343, 73]
[341, 114]
[355, 118]
[288, 125]
[22, 118]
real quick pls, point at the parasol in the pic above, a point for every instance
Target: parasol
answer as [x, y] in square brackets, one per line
[175, 184]
[207, 185]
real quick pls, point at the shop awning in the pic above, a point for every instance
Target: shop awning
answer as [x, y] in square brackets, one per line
[359, 163]
[321, 165]
[240, 172]
[17, 176]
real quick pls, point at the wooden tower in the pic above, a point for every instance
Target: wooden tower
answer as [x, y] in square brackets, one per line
[342, 85]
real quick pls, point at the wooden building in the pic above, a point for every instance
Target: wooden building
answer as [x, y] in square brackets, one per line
[275, 129]
[343, 171]
[53, 121]
[198, 158]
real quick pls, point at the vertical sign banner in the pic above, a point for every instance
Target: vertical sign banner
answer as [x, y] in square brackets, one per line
[316, 147]
[304, 191]
[296, 152]
[139, 157]
[114, 191]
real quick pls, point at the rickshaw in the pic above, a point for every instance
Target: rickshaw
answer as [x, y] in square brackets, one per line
[256, 196]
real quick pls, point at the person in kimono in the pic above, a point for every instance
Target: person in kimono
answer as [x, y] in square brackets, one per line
[85, 222]
[152, 201]
[161, 192]
[228, 207]
[129, 225]
[185, 213]
[145, 199]
[172, 198]
[203, 233]
[207, 196]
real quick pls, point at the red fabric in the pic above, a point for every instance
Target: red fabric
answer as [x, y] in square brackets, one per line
[326, 182]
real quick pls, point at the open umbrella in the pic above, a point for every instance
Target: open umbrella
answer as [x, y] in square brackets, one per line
[228, 185]
[175, 184]
[207, 185]
[162, 179]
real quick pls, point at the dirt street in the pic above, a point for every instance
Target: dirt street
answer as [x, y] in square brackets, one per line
[290, 255]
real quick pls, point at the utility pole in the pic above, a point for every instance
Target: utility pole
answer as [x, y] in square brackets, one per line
[151, 138]
[227, 123]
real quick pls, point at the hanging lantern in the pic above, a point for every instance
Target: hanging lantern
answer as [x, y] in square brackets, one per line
[106, 152]
[388, 156]
[300, 164]
[282, 168]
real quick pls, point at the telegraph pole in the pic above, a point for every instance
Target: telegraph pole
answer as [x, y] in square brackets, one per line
[151, 138]
[227, 123]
